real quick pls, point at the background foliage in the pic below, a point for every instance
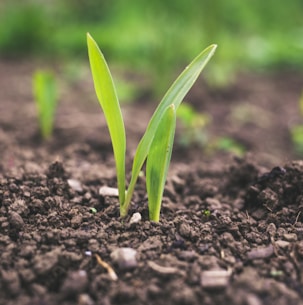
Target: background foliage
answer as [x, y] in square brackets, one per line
[158, 37]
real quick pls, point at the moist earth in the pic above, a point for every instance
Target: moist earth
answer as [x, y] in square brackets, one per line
[231, 226]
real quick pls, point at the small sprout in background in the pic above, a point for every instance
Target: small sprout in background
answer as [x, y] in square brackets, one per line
[194, 131]
[297, 138]
[296, 131]
[193, 126]
[229, 145]
[206, 213]
[276, 273]
[45, 94]
[155, 147]
[301, 104]
[93, 210]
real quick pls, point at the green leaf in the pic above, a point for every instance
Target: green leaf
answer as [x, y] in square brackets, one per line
[158, 160]
[301, 103]
[106, 93]
[45, 93]
[174, 96]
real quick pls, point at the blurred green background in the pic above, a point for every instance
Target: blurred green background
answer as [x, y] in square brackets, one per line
[158, 37]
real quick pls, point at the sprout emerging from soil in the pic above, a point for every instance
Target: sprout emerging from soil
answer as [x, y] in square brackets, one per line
[156, 144]
[45, 94]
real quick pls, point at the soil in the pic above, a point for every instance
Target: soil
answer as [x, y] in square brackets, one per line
[231, 226]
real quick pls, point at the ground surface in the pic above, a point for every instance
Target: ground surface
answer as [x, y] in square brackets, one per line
[231, 227]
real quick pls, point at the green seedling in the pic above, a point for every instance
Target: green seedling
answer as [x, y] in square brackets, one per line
[45, 94]
[93, 210]
[297, 131]
[206, 213]
[228, 144]
[156, 144]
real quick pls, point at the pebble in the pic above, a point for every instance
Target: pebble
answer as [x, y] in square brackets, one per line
[105, 191]
[136, 218]
[125, 258]
[75, 185]
[213, 279]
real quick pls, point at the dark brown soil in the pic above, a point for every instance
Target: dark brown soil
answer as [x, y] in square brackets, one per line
[231, 227]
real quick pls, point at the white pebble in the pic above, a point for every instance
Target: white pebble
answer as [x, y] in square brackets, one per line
[135, 218]
[215, 278]
[108, 191]
[75, 185]
[124, 257]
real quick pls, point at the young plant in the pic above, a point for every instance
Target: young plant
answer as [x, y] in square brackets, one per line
[156, 144]
[45, 94]
[297, 131]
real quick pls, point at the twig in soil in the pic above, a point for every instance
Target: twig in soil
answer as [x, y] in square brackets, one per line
[106, 266]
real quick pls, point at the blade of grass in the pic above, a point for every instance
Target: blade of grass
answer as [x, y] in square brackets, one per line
[174, 96]
[158, 160]
[106, 93]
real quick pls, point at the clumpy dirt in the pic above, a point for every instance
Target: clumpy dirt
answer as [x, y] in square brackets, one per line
[231, 227]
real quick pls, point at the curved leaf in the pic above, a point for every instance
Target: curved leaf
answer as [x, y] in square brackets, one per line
[158, 160]
[106, 93]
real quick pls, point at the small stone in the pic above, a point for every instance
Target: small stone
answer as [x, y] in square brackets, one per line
[125, 258]
[213, 279]
[105, 191]
[135, 218]
[75, 185]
